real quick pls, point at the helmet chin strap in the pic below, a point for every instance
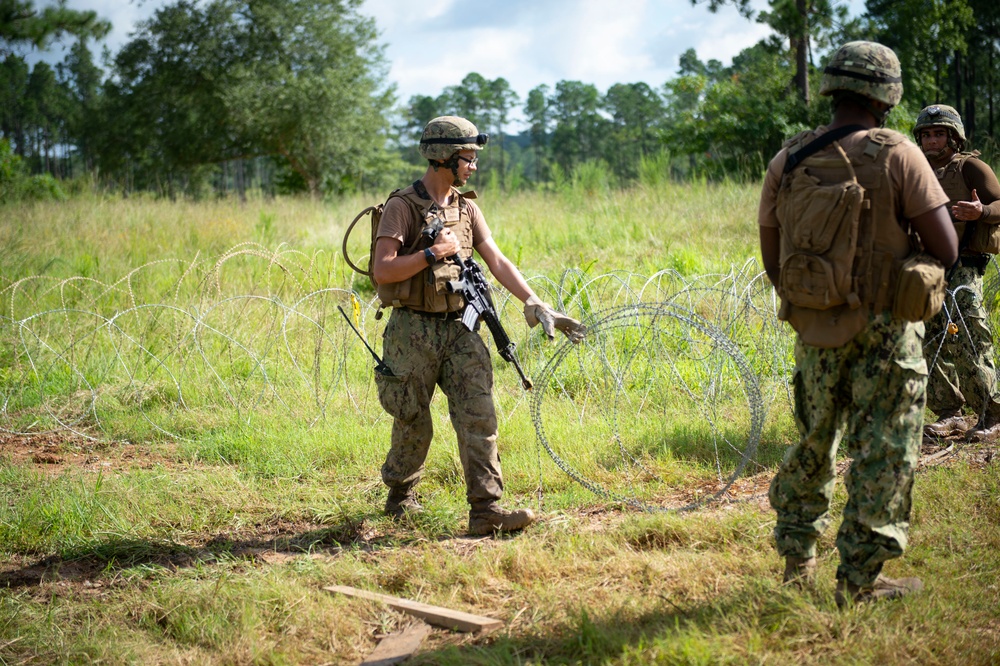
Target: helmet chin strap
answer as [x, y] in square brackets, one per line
[935, 155]
[452, 163]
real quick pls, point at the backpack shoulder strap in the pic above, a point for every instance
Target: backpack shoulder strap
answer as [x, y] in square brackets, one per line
[794, 159]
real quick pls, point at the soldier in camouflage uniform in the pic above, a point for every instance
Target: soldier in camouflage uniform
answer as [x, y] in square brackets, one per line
[425, 342]
[963, 373]
[860, 374]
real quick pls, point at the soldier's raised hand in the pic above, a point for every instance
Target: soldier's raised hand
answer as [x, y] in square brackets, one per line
[968, 210]
[538, 312]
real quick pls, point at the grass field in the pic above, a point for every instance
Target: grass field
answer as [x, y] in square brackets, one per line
[191, 447]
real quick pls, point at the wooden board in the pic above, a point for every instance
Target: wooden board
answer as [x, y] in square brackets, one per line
[436, 615]
[395, 648]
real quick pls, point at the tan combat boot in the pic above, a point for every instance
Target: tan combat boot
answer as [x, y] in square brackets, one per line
[949, 423]
[884, 588]
[402, 503]
[491, 518]
[989, 426]
[800, 571]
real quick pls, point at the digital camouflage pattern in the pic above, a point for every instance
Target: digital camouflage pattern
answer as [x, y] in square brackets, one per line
[427, 352]
[867, 68]
[870, 394]
[963, 371]
[939, 115]
[448, 127]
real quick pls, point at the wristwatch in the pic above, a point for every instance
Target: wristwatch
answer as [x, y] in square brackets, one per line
[429, 256]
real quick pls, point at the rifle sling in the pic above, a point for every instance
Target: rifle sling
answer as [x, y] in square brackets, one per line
[818, 144]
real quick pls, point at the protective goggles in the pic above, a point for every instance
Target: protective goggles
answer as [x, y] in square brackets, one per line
[480, 140]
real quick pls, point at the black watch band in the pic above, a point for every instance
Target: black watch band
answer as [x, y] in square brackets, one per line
[429, 255]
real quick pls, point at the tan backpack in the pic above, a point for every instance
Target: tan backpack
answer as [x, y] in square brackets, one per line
[832, 257]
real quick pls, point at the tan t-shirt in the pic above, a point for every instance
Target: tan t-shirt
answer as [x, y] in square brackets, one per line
[397, 219]
[915, 187]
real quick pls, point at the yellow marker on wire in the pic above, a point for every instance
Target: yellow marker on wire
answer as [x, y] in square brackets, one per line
[356, 309]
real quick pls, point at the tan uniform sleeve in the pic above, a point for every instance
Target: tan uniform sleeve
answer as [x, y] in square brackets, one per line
[480, 231]
[766, 216]
[915, 184]
[979, 176]
[397, 217]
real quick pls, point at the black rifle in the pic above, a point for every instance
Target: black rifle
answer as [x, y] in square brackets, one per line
[473, 287]
[380, 367]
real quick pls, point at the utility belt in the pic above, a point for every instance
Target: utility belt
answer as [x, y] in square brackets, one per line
[976, 260]
[447, 316]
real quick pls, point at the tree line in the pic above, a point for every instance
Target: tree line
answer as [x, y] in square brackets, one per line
[292, 95]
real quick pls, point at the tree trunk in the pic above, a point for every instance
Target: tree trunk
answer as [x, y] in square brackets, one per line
[989, 88]
[800, 43]
[969, 118]
[958, 80]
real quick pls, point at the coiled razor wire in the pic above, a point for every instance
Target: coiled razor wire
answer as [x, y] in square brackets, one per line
[653, 396]
[253, 338]
[957, 324]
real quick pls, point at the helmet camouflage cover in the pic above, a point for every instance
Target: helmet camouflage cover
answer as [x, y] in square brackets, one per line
[867, 68]
[446, 135]
[939, 115]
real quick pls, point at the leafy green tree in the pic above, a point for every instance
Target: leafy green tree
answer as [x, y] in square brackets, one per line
[799, 21]
[44, 107]
[537, 111]
[470, 99]
[82, 80]
[298, 80]
[13, 111]
[580, 130]
[22, 24]
[502, 101]
[929, 36]
[636, 112]
[309, 86]
[739, 121]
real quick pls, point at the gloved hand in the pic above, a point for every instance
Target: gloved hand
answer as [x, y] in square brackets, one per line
[535, 312]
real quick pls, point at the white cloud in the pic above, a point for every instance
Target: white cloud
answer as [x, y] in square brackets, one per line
[434, 44]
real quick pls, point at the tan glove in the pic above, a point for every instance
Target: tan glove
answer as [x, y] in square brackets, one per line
[536, 312]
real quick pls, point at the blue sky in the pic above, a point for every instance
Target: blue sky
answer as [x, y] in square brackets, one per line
[434, 43]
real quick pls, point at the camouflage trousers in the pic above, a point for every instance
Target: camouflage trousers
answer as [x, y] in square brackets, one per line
[962, 367]
[870, 394]
[424, 352]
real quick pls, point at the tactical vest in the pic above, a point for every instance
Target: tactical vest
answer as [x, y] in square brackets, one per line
[981, 238]
[427, 290]
[842, 242]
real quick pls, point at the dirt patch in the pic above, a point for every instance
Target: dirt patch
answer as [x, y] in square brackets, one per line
[55, 453]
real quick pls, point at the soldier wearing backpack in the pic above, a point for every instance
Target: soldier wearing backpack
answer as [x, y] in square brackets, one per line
[838, 207]
[425, 343]
[964, 372]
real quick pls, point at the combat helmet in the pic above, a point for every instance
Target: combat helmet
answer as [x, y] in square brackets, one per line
[869, 69]
[940, 115]
[446, 135]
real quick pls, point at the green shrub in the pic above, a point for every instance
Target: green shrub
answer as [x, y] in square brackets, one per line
[17, 185]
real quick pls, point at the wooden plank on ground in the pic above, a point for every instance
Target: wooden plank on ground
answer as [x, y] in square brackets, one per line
[436, 615]
[395, 648]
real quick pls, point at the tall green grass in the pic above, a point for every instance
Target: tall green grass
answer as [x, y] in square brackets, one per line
[212, 545]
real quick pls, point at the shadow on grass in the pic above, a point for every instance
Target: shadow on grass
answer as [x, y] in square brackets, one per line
[105, 559]
[674, 632]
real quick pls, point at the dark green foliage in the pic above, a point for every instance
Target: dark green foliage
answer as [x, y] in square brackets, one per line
[16, 184]
[290, 96]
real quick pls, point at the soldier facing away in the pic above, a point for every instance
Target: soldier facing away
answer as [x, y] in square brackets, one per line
[835, 233]
[964, 372]
[425, 342]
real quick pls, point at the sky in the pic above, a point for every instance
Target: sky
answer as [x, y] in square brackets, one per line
[433, 44]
